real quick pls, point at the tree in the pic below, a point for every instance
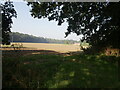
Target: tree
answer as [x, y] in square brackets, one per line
[98, 22]
[7, 12]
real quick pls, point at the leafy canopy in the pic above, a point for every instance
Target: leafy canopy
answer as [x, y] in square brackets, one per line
[98, 21]
[7, 12]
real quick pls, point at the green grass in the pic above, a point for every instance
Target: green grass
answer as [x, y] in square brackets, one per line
[56, 71]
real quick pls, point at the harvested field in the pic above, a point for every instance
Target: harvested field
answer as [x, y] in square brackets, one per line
[62, 48]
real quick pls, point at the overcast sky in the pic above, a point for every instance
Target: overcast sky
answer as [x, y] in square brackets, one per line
[25, 23]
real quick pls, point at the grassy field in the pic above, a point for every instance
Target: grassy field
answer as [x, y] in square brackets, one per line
[50, 69]
[46, 46]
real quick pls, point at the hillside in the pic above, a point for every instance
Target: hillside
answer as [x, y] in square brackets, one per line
[20, 37]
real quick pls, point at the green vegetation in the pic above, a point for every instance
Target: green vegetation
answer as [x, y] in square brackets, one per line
[7, 12]
[20, 37]
[97, 22]
[58, 71]
[84, 43]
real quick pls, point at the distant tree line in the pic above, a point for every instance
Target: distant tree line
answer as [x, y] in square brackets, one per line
[20, 37]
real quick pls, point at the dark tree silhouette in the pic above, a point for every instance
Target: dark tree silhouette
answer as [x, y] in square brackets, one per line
[7, 11]
[99, 22]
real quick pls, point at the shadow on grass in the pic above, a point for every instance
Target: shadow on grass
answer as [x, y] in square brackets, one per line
[29, 68]
[86, 71]
[19, 53]
[57, 71]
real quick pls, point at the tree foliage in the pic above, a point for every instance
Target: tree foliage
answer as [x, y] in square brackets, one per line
[7, 11]
[98, 21]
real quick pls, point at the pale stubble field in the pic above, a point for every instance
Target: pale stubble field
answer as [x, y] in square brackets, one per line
[63, 48]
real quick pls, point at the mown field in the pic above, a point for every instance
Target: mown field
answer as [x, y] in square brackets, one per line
[51, 69]
[47, 46]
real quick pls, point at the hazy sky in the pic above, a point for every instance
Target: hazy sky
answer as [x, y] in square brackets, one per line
[25, 23]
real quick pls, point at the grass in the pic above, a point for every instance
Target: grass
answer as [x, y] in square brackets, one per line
[57, 71]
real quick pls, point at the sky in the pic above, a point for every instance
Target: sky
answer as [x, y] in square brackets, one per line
[25, 23]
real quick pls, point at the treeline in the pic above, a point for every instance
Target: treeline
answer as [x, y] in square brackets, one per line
[20, 37]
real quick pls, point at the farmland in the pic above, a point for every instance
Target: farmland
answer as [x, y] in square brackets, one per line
[43, 65]
[47, 46]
